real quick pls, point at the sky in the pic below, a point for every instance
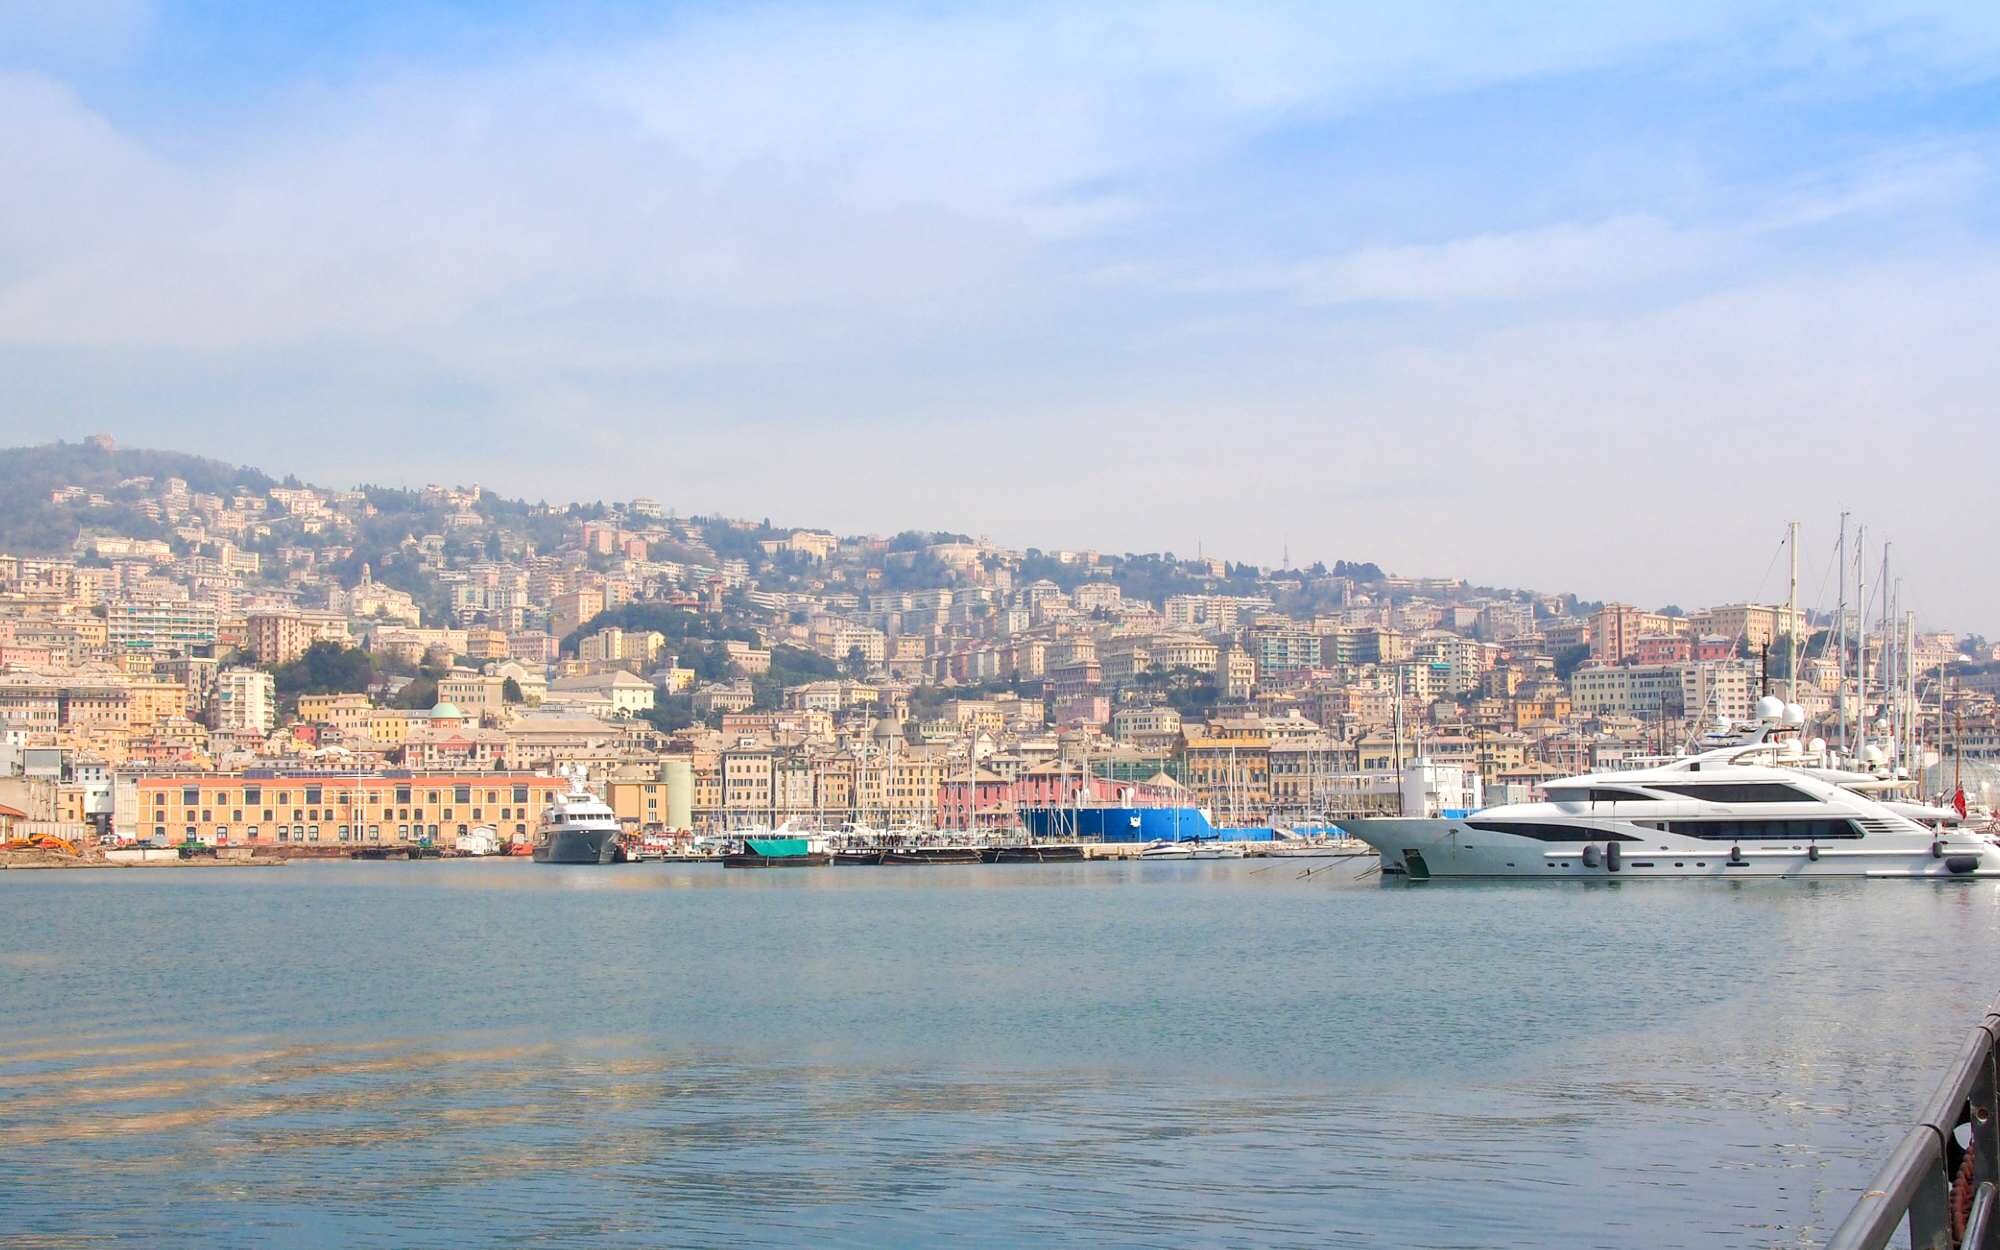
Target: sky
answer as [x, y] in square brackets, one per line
[1566, 296]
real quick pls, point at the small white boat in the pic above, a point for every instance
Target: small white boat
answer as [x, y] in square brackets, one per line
[1218, 850]
[1167, 850]
[480, 840]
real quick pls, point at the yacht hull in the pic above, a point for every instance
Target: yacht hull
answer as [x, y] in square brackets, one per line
[583, 846]
[1425, 848]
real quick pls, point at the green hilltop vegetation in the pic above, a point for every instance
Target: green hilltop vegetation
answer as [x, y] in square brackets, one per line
[31, 524]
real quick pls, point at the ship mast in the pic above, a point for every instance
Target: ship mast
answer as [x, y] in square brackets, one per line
[1840, 646]
[1792, 618]
[1860, 640]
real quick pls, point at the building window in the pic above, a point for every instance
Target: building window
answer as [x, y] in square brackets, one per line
[190, 796]
[461, 794]
[312, 796]
[520, 794]
[342, 833]
[253, 795]
[402, 794]
[250, 833]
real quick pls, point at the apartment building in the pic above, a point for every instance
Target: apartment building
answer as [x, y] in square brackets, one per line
[281, 637]
[350, 713]
[159, 627]
[245, 701]
[1712, 689]
[1618, 627]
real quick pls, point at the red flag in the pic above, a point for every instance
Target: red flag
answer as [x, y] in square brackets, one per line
[1958, 801]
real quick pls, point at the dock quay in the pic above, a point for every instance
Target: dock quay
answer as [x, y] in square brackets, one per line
[1942, 1182]
[1003, 851]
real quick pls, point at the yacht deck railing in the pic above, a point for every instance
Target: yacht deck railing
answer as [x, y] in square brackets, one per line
[1919, 1185]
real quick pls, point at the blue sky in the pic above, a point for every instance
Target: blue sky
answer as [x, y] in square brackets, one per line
[1584, 297]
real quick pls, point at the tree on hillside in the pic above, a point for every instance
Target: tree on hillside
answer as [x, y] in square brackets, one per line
[790, 666]
[418, 693]
[1571, 658]
[325, 668]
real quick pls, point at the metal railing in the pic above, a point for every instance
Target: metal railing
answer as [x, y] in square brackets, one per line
[1916, 1185]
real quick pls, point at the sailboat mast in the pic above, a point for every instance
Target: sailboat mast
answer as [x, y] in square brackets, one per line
[1792, 618]
[1887, 664]
[1840, 646]
[1915, 718]
[1860, 639]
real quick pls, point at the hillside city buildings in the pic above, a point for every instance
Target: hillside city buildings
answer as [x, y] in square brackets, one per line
[296, 664]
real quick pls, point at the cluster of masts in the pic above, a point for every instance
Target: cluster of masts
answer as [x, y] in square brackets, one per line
[1893, 742]
[1890, 749]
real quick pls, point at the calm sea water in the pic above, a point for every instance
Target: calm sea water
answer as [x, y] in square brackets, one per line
[1166, 1054]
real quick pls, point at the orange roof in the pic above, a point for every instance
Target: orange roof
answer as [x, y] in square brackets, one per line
[323, 779]
[12, 813]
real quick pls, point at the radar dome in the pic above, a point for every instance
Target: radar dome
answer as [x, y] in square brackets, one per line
[1817, 746]
[1770, 708]
[1791, 747]
[1873, 755]
[1795, 715]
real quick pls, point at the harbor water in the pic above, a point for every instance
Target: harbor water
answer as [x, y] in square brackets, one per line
[471, 1054]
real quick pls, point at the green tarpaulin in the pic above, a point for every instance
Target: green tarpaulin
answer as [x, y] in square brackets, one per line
[776, 848]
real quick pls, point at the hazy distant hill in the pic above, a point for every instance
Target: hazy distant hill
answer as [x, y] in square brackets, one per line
[31, 525]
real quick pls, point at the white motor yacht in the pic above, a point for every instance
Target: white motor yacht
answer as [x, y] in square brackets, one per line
[1746, 810]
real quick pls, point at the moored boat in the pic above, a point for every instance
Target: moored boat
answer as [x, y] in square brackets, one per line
[932, 855]
[1055, 854]
[578, 828]
[1757, 809]
[778, 853]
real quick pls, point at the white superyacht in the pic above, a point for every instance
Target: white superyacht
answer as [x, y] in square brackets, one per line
[1767, 806]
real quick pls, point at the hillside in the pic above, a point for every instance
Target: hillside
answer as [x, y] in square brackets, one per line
[32, 525]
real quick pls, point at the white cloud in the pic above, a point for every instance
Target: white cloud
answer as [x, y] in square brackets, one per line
[1554, 260]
